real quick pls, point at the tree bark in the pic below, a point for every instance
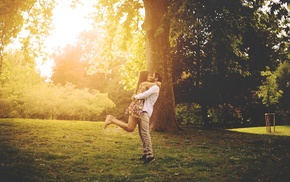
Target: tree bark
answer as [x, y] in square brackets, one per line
[158, 58]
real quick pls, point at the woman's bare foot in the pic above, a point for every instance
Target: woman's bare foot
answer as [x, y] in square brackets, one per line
[108, 121]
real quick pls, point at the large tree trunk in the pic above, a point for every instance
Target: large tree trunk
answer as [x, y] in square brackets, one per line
[159, 59]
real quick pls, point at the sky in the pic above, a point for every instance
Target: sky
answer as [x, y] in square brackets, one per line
[68, 22]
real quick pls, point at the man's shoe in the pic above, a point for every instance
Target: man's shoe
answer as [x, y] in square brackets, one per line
[149, 160]
[143, 157]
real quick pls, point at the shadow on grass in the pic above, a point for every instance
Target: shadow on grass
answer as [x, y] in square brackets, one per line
[15, 164]
[12, 167]
[225, 155]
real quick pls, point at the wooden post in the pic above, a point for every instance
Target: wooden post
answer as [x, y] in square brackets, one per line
[268, 124]
[274, 121]
[269, 120]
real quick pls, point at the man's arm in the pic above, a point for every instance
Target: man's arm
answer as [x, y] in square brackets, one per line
[147, 93]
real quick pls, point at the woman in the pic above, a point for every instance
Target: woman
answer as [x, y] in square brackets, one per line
[135, 108]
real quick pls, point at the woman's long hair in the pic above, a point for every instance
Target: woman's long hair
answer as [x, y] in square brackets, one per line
[142, 78]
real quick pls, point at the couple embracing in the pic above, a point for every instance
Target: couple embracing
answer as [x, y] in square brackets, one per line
[140, 111]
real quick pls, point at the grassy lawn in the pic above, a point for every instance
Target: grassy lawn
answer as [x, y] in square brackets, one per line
[279, 130]
[42, 150]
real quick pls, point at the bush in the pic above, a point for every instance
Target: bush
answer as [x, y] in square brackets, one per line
[46, 101]
[188, 114]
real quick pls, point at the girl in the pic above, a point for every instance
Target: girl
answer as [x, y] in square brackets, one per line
[135, 108]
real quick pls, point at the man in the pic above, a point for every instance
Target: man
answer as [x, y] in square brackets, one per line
[150, 96]
[134, 111]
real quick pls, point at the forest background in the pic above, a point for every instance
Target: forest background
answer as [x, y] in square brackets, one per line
[229, 61]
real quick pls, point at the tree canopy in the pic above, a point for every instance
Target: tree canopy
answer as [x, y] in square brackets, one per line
[29, 16]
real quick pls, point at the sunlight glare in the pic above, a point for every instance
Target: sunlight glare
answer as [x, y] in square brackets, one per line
[68, 23]
[45, 68]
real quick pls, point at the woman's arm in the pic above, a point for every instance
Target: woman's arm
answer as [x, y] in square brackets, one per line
[150, 84]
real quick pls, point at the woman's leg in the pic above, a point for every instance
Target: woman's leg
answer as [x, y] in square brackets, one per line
[129, 127]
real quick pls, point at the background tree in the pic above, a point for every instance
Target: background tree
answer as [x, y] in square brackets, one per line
[31, 16]
[70, 68]
[83, 65]
[24, 94]
[283, 77]
[269, 91]
[208, 50]
[17, 75]
[221, 48]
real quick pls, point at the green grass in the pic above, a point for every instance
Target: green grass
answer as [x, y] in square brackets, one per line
[279, 130]
[42, 150]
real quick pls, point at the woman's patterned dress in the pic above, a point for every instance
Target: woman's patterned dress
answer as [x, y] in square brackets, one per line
[136, 106]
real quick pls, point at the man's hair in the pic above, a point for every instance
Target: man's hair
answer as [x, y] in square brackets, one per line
[158, 76]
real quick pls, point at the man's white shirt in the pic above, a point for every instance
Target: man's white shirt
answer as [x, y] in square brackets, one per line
[150, 96]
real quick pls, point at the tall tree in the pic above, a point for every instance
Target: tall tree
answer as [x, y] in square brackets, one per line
[156, 27]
